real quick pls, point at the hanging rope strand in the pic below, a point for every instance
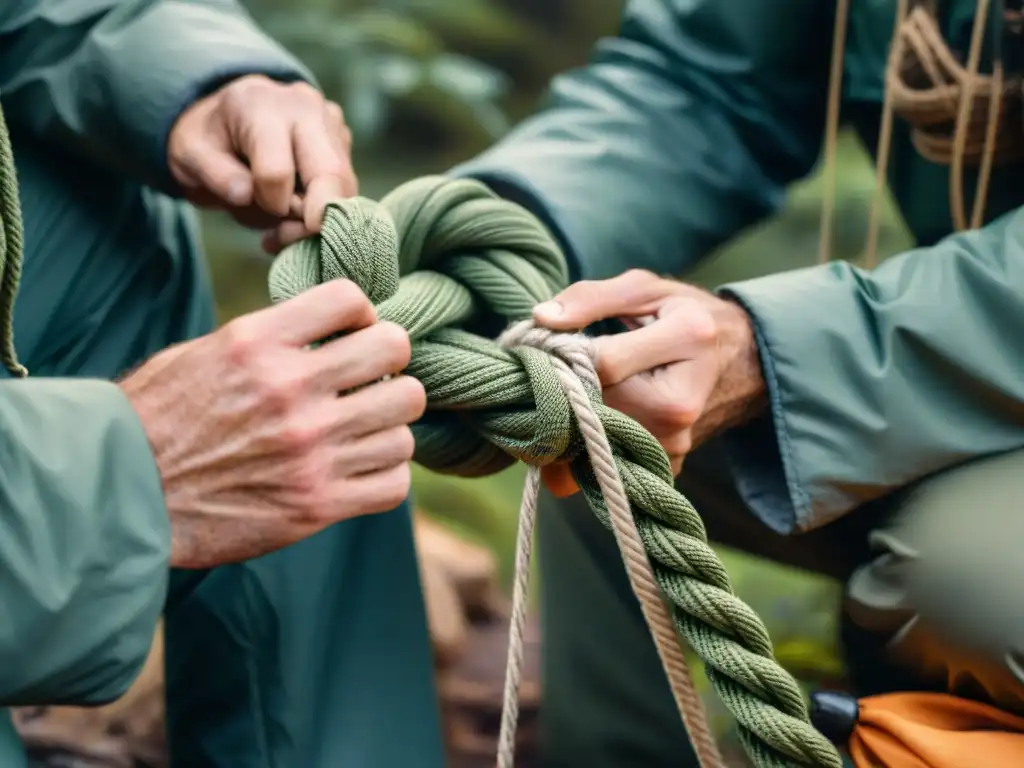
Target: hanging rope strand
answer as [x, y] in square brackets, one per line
[573, 361]
[12, 248]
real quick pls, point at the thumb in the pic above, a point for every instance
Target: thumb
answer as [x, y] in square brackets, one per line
[631, 294]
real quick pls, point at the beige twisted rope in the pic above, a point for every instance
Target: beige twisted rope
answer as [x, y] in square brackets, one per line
[572, 356]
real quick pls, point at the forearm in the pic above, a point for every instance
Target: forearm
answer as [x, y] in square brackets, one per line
[84, 555]
[107, 79]
[878, 379]
[681, 131]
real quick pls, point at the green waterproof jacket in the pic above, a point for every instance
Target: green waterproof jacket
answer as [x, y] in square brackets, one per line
[687, 128]
[85, 537]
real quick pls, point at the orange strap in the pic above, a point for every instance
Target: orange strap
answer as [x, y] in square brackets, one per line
[935, 730]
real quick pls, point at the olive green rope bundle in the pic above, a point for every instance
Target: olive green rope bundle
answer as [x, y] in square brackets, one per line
[454, 265]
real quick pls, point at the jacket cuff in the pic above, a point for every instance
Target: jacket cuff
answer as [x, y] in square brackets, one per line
[785, 463]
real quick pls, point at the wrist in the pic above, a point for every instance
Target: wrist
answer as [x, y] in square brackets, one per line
[741, 394]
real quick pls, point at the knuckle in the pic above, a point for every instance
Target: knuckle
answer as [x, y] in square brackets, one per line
[579, 292]
[301, 438]
[702, 329]
[406, 444]
[242, 90]
[280, 393]
[582, 287]
[348, 295]
[242, 341]
[272, 175]
[334, 111]
[414, 395]
[637, 275]
[396, 491]
[306, 92]
[394, 343]
[680, 414]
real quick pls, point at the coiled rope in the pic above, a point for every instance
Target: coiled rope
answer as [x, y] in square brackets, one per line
[454, 265]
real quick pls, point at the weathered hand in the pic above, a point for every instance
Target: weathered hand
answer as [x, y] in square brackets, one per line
[271, 154]
[688, 369]
[255, 447]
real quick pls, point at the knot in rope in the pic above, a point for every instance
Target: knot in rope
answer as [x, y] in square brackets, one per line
[574, 350]
[455, 265]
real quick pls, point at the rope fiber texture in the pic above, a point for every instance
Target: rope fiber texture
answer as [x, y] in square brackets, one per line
[572, 357]
[12, 250]
[455, 265]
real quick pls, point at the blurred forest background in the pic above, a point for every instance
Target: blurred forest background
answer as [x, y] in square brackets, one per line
[427, 83]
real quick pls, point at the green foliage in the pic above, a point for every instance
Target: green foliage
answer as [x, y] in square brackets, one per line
[372, 56]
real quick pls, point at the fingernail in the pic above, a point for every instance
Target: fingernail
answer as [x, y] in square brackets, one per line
[548, 309]
[238, 192]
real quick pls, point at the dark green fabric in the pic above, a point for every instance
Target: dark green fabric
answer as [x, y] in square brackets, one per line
[680, 132]
[691, 123]
[84, 556]
[317, 655]
[265, 664]
[106, 79]
[908, 372]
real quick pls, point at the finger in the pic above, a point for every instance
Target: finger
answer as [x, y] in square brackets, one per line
[377, 491]
[266, 142]
[283, 235]
[559, 481]
[684, 330]
[668, 403]
[212, 167]
[313, 315]
[324, 166]
[631, 294]
[677, 444]
[676, 462]
[254, 217]
[376, 452]
[362, 357]
[378, 407]
[626, 354]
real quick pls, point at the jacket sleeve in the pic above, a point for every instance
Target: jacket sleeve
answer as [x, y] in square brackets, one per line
[683, 129]
[878, 379]
[106, 79]
[84, 543]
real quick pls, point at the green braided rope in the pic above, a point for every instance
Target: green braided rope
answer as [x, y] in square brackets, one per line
[12, 247]
[454, 264]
